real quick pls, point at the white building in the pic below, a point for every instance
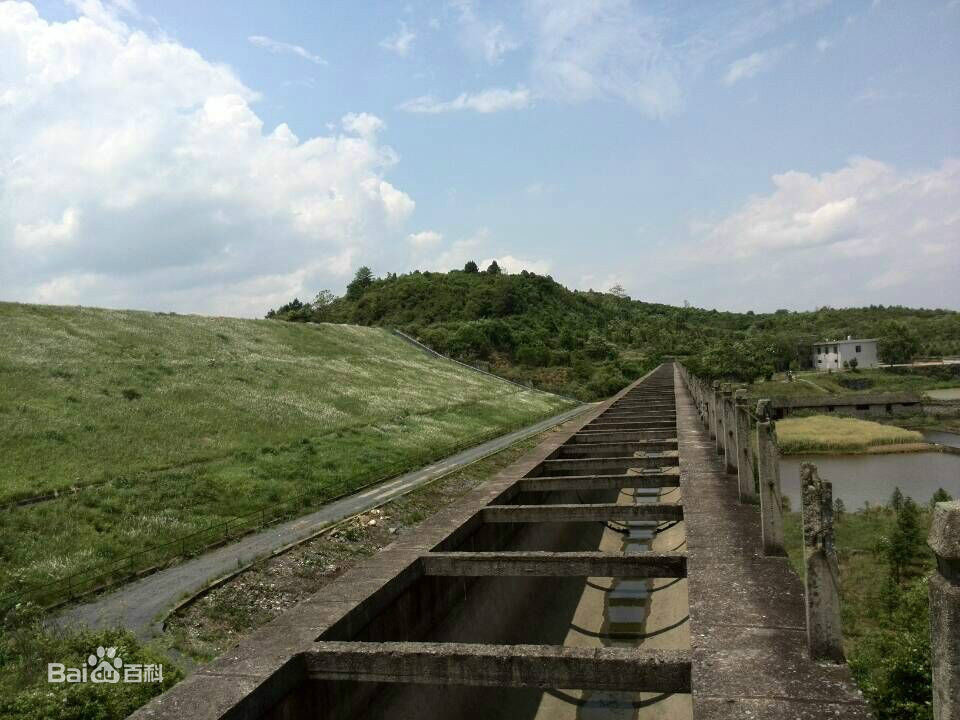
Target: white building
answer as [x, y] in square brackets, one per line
[833, 354]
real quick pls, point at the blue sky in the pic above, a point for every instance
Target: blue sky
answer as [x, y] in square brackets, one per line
[749, 155]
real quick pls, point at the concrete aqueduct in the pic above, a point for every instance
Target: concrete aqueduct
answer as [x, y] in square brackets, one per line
[610, 572]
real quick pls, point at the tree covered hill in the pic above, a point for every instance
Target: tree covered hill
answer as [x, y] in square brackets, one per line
[589, 344]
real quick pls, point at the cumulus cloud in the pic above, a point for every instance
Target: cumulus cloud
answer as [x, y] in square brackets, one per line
[136, 172]
[752, 65]
[485, 101]
[424, 239]
[866, 232]
[282, 48]
[401, 42]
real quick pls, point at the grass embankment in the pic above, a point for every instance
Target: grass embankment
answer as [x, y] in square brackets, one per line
[885, 623]
[833, 434]
[212, 624]
[190, 421]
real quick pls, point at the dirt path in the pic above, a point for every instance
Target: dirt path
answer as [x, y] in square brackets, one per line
[141, 605]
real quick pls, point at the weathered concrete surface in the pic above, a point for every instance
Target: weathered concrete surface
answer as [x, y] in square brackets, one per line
[607, 465]
[865, 405]
[542, 666]
[822, 571]
[744, 447]
[581, 512]
[655, 479]
[771, 498]
[944, 540]
[615, 449]
[748, 636]
[555, 564]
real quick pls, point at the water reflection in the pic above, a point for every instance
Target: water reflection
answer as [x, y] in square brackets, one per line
[860, 479]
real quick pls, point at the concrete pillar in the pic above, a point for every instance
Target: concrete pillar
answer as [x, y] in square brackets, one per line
[944, 539]
[729, 428]
[744, 447]
[821, 572]
[717, 417]
[768, 468]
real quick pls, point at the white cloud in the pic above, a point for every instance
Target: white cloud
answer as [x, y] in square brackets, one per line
[425, 239]
[489, 40]
[401, 42]
[752, 65]
[485, 101]
[623, 50]
[603, 49]
[824, 44]
[137, 173]
[282, 48]
[865, 233]
[362, 124]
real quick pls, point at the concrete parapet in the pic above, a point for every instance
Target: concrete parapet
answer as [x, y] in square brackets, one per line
[729, 428]
[944, 540]
[744, 447]
[821, 572]
[717, 421]
[771, 503]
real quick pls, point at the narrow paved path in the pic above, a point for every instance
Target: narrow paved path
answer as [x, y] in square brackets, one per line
[141, 605]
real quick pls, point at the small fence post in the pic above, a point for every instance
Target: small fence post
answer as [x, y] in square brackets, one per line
[944, 540]
[729, 428]
[717, 418]
[821, 572]
[744, 447]
[768, 467]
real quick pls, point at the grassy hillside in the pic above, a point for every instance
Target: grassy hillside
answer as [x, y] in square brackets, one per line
[589, 344]
[182, 422]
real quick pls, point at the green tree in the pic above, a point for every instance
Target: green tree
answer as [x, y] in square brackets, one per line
[898, 344]
[361, 281]
[939, 496]
[494, 269]
[471, 267]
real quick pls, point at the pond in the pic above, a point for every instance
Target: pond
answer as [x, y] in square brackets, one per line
[859, 479]
[944, 394]
[942, 438]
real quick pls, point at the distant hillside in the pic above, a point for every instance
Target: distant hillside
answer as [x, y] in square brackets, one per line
[182, 422]
[590, 344]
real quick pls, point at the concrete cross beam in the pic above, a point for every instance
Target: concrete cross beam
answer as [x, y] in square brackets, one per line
[581, 513]
[600, 482]
[609, 465]
[605, 436]
[555, 564]
[540, 666]
[615, 449]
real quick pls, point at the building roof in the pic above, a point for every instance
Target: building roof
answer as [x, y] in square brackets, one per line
[851, 340]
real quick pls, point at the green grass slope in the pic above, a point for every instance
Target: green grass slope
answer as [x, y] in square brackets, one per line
[182, 422]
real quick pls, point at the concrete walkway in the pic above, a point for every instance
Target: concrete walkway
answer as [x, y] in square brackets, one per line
[140, 606]
[748, 639]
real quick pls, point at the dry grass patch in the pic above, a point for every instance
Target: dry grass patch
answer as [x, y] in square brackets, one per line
[829, 433]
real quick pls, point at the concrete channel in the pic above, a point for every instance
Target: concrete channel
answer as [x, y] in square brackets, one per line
[555, 590]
